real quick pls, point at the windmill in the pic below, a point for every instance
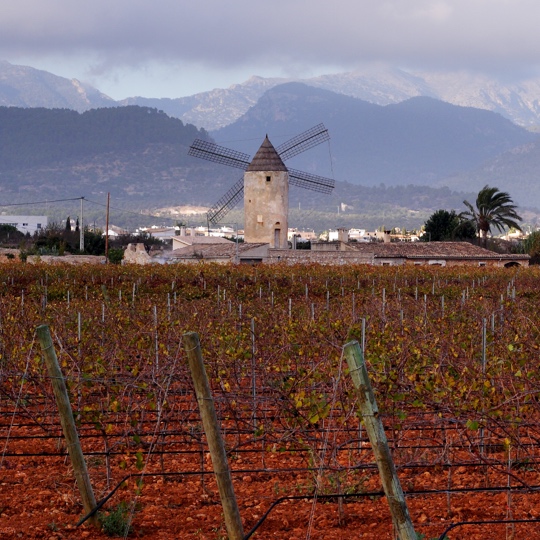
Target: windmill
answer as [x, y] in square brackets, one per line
[265, 184]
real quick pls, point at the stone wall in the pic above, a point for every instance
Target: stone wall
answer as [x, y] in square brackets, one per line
[65, 259]
[354, 257]
[488, 263]
[301, 256]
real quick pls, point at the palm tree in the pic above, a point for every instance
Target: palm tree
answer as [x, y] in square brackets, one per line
[493, 208]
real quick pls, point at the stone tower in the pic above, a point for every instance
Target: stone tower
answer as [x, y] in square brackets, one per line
[266, 198]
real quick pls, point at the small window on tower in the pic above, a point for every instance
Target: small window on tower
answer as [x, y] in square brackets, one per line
[268, 178]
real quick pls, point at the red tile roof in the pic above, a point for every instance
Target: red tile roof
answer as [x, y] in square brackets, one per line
[422, 250]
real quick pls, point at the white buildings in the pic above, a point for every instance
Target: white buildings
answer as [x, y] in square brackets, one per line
[25, 224]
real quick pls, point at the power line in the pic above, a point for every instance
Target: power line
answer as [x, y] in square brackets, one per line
[131, 211]
[42, 202]
[89, 201]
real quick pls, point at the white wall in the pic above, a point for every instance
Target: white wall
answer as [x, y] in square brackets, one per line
[25, 224]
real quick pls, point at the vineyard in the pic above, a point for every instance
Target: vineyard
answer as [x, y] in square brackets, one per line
[453, 356]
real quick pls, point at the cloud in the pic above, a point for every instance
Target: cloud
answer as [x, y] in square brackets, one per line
[494, 35]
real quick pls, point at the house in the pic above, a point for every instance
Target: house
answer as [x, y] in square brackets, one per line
[115, 231]
[400, 253]
[302, 236]
[179, 242]
[25, 224]
[163, 233]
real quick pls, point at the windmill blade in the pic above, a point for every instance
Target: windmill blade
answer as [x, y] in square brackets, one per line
[310, 138]
[227, 202]
[219, 154]
[311, 181]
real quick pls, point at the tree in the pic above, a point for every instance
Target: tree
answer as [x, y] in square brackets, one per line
[68, 224]
[10, 235]
[444, 225]
[531, 246]
[494, 208]
[94, 242]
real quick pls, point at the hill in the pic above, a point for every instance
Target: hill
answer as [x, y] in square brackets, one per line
[517, 101]
[515, 171]
[38, 137]
[23, 86]
[139, 155]
[418, 141]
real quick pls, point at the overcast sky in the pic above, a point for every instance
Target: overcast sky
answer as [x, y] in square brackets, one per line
[174, 48]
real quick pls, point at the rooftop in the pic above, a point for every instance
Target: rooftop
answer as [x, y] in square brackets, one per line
[266, 159]
[411, 250]
[198, 240]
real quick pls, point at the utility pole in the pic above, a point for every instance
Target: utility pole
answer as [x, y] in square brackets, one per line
[237, 258]
[81, 229]
[107, 230]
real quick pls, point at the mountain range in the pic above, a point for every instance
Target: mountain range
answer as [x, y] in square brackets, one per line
[519, 102]
[140, 156]
[391, 155]
[23, 86]
[418, 141]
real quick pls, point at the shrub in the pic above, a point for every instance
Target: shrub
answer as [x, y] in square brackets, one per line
[116, 255]
[117, 522]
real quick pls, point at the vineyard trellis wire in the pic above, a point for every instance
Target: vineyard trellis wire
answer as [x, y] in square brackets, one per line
[273, 337]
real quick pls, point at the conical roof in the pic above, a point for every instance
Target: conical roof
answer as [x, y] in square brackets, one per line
[266, 159]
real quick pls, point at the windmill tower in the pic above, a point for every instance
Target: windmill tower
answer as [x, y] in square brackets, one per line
[266, 198]
[265, 185]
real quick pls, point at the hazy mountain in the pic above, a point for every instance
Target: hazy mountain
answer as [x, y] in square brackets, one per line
[417, 141]
[139, 156]
[41, 136]
[213, 109]
[519, 102]
[22, 86]
[515, 171]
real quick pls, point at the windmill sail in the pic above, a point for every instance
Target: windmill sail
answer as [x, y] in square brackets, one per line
[219, 154]
[302, 142]
[227, 202]
[225, 156]
[311, 181]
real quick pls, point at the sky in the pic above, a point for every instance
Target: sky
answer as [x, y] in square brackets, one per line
[175, 48]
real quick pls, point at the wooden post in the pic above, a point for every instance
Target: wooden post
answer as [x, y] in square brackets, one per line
[68, 424]
[375, 430]
[233, 522]
[81, 228]
[107, 230]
